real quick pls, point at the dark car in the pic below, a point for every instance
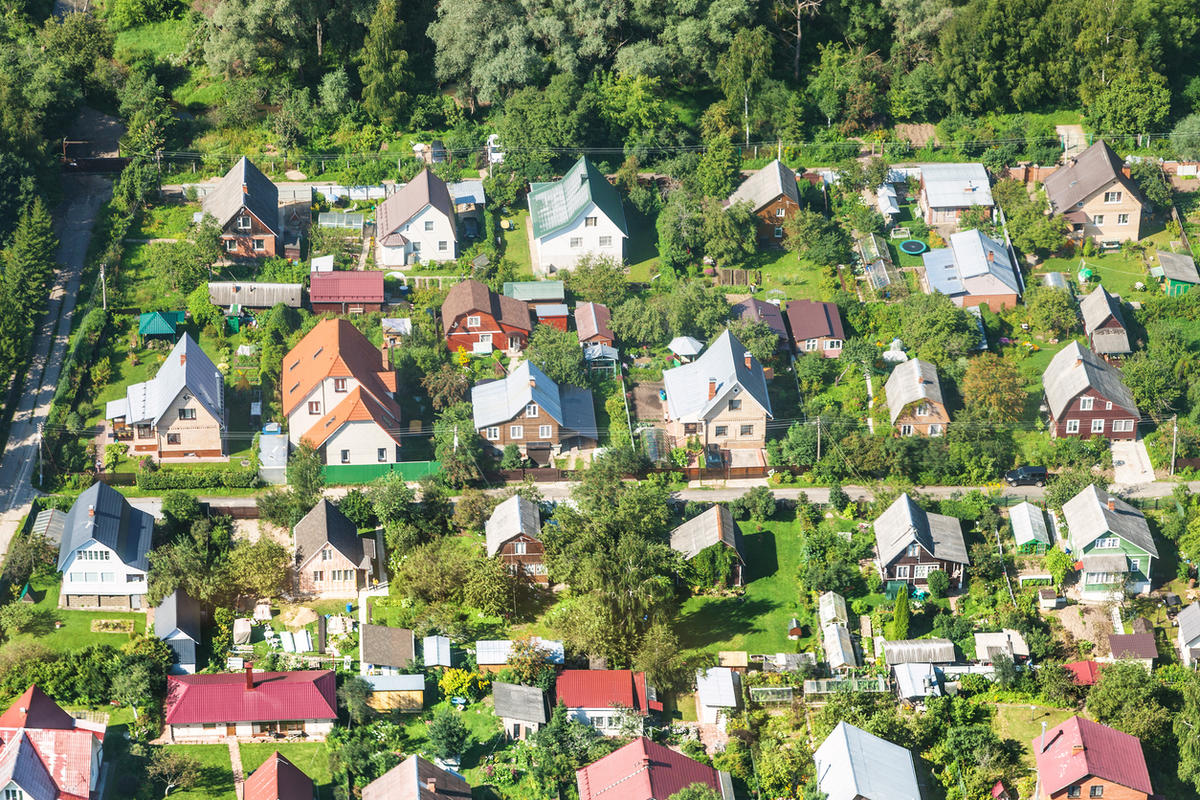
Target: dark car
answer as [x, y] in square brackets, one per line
[1026, 476]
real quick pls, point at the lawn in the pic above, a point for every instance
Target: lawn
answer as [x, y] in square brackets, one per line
[516, 243]
[159, 39]
[311, 757]
[1018, 722]
[216, 773]
[165, 221]
[783, 271]
[1117, 271]
[76, 631]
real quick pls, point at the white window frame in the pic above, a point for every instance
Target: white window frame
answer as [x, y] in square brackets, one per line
[606, 241]
[473, 321]
[260, 245]
[485, 338]
[531, 410]
[721, 430]
[187, 413]
[1086, 403]
[493, 433]
[1108, 406]
[833, 344]
[902, 572]
[519, 548]
[778, 231]
[314, 407]
[1097, 219]
[1107, 543]
[244, 223]
[1122, 219]
[735, 404]
[1072, 426]
[381, 455]
[575, 242]
[230, 245]
[1122, 426]
[746, 430]
[545, 431]
[345, 456]
[1098, 426]
[913, 550]
[781, 212]
[442, 246]
[935, 429]
[811, 344]
[428, 224]
[1135, 564]
[516, 431]
[339, 385]
[589, 222]
[1112, 197]
[921, 571]
[906, 430]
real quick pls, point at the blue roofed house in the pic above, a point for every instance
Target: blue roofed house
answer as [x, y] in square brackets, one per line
[579, 214]
[177, 622]
[974, 270]
[102, 556]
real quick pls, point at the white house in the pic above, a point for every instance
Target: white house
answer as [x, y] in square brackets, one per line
[177, 622]
[610, 700]
[852, 764]
[579, 214]
[417, 224]
[102, 552]
[1189, 634]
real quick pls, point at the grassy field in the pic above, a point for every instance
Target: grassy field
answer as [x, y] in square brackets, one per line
[159, 39]
[311, 757]
[516, 243]
[216, 776]
[76, 631]
[1117, 271]
[1019, 723]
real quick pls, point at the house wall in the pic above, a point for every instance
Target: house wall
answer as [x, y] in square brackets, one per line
[397, 700]
[555, 251]
[599, 338]
[1141, 580]
[519, 728]
[559, 322]
[198, 438]
[922, 424]
[325, 394]
[1109, 230]
[731, 420]
[953, 570]
[432, 245]
[772, 216]
[354, 307]
[530, 431]
[361, 440]
[240, 243]
[1186, 647]
[1111, 791]
[532, 561]
[313, 728]
[462, 335]
[1110, 328]
[1100, 410]
[308, 582]
[941, 214]
[606, 720]
[827, 346]
[180, 668]
[993, 302]
[104, 582]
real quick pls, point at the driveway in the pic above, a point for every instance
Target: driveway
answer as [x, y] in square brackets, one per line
[1131, 463]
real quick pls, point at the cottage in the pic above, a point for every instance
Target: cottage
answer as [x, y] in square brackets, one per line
[177, 622]
[522, 710]
[578, 215]
[713, 528]
[816, 328]
[103, 552]
[346, 291]
[177, 414]
[919, 651]
[332, 560]
[1178, 272]
[591, 325]
[644, 770]
[396, 692]
[916, 682]
[417, 224]
[529, 410]
[209, 708]
[852, 764]
[235, 296]
[947, 190]
[245, 204]
[1049, 599]
[839, 648]
[1136, 648]
[718, 695]
[278, 779]
[1189, 634]
[607, 699]
[1029, 528]
[1095, 194]
[491, 655]
[1008, 642]
[436, 651]
[1112, 540]
[911, 543]
[417, 779]
[1081, 758]
[384, 650]
[773, 195]
[553, 314]
[47, 753]
[514, 535]
[752, 310]
[974, 270]
[914, 399]
[831, 607]
[476, 319]
[160, 323]
[1104, 323]
[1087, 397]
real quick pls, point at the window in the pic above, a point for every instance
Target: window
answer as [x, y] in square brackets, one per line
[428, 225]
[516, 431]
[318, 576]
[1097, 426]
[1098, 219]
[922, 571]
[381, 454]
[1135, 565]
[187, 413]
[1108, 406]
[576, 241]
[1122, 219]
[535, 569]
[172, 438]
[243, 222]
[1096, 791]
[1073, 791]
[416, 247]
[90, 577]
[518, 548]
[544, 432]
[260, 245]
[326, 554]
[721, 430]
[1086, 403]
[493, 433]
[746, 430]
[1072, 426]
[1112, 197]
[778, 232]
[443, 247]
[833, 344]
[1108, 543]
[906, 430]
[14, 794]
[589, 222]
[902, 572]
[144, 432]
[345, 456]
[134, 577]
[473, 322]
[314, 406]
[606, 241]
[913, 551]
[1122, 425]
[339, 384]
[735, 405]
[935, 429]
[106, 577]
[781, 212]
[923, 410]
[230, 245]
[485, 338]
[531, 410]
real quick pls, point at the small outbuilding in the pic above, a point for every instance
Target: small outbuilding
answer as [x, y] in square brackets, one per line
[713, 532]
[436, 651]
[839, 648]
[832, 608]
[396, 692]
[1138, 648]
[522, 710]
[1008, 642]
[685, 347]
[919, 651]
[1029, 528]
[916, 682]
[718, 695]
[1189, 634]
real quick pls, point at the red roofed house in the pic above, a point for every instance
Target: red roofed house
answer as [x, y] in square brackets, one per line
[602, 697]
[591, 324]
[643, 770]
[346, 291]
[1081, 758]
[414, 778]
[47, 753]
[1085, 673]
[278, 779]
[816, 328]
[208, 708]
[477, 319]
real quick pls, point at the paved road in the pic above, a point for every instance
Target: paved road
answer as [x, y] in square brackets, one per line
[73, 224]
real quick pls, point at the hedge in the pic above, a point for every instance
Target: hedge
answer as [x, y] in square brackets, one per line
[198, 479]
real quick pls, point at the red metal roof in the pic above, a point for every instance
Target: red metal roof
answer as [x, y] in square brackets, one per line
[1085, 672]
[810, 319]
[346, 286]
[642, 770]
[35, 728]
[276, 696]
[35, 709]
[604, 688]
[1079, 747]
[278, 779]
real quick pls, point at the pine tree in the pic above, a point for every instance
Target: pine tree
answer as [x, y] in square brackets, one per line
[383, 66]
[901, 616]
[29, 259]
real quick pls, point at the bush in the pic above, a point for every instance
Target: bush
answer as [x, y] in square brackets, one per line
[357, 508]
[939, 583]
[838, 499]
[198, 479]
[758, 504]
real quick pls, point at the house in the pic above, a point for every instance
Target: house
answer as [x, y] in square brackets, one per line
[1178, 272]
[610, 700]
[644, 770]
[414, 778]
[245, 204]
[774, 197]
[831, 607]
[477, 319]
[839, 648]
[852, 764]
[522, 710]
[177, 622]
[47, 753]
[103, 552]
[916, 682]
[345, 291]
[1087, 396]
[416, 224]
[713, 528]
[436, 651]
[402, 693]
[1084, 673]
[947, 190]
[514, 535]
[914, 399]
[752, 310]
[331, 559]
[235, 296]
[721, 398]
[911, 543]
[529, 410]
[974, 270]
[1081, 758]
[591, 325]
[816, 328]
[1008, 642]
[1189, 634]
[384, 650]
[553, 314]
[469, 202]
[278, 779]
[578, 215]
[1095, 194]
[491, 655]
[395, 330]
[1104, 324]
[1029, 528]
[1138, 648]
[209, 708]
[887, 201]
[179, 413]
[1113, 542]
[919, 651]
[339, 396]
[718, 695]
[160, 323]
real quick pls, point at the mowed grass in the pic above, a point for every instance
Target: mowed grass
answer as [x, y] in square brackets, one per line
[1116, 271]
[516, 243]
[216, 773]
[311, 757]
[76, 631]
[159, 39]
[1019, 723]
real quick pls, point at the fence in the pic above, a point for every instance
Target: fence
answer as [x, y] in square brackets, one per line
[365, 473]
[109, 478]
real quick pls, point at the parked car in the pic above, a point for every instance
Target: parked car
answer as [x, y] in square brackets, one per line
[1026, 476]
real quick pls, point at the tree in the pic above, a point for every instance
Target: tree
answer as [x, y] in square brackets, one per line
[391, 499]
[1152, 380]
[743, 68]
[447, 734]
[848, 86]
[1186, 733]
[758, 337]
[354, 695]
[512, 458]
[1059, 565]
[660, 658]
[485, 47]
[729, 233]
[201, 309]
[28, 261]
[1152, 183]
[680, 228]
[558, 354]
[1185, 138]
[938, 329]
[180, 510]
[796, 11]
[1124, 699]
[446, 386]
[818, 238]
[599, 279]
[901, 616]
[133, 686]
[383, 68]
[457, 445]
[697, 791]
[306, 475]
[638, 322]
[260, 568]
[993, 389]
[1050, 310]
[1135, 101]
[939, 583]
[175, 768]
[719, 168]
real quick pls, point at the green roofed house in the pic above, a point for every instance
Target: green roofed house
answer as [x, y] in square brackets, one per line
[160, 323]
[1178, 272]
[577, 215]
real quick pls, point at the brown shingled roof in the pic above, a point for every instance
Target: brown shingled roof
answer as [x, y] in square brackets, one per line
[426, 189]
[471, 295]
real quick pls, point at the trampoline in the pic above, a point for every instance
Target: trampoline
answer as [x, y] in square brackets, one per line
[913, 247]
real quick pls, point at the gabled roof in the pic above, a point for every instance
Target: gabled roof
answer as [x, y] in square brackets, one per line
[730, 365]
[1178, 267]
[1076, 368]
[1092, 170]
[713, 526]
[385, 646]
[411, 779]
[852, 763]
[217, 698]
[1088, 517]
[810, 319]
[973, 264]
[1097, 307]
[426, 189]
[556, 205]
[1070, 752]
[513, 517]
[768, 183]
[346, 286]
[605, 688]
[494, 402]
[1189, 623]
[186, 367]
[956, 185]
[686, 346]
[591, 319]
[471, 295]
[101, 513]
[911, 381]
[244, 186]
[159, 323]
[491, 652]
[1133, 645]
[178, 611]
[839, 648]
[524, 703]
[255, 294]
[1084, 673]
[21, 764]
[278, 779]
[643, 770]
[1029, 524]
[831, 607]
[436, 651]
[35, 709]
[904, 522]
[358, 406]
[324, 524]
[336, 349]
[1007, 642]
[917, 680]
[754, 310]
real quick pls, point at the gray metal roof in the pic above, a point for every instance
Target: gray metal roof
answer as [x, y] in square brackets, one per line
[436, 651]
[914, 681]
[414, 682]
[1178, 266]
[1076, 368]
[186, 367]
[1029, 524]
[719, 687]
[513, 517]
[467, 192]
[1189, 623]
[1088, 517]
[832, 608]
[1097, 307]
[852, 763]
[761, 188]
[495, 402]
[1007, 642]
[725, 361]
[912, 381]
[244, 186]
[555, 205]
[325, 524]
[1115, 563]
[101, 513]
[916, 651]
[1089, 172]
[177, 611]
[22, 765]
[524, 703]
[706, 529]
[839, 649]
[250, 294]
[904, 522]
[550, 310]
[185, 651]
[956, 185]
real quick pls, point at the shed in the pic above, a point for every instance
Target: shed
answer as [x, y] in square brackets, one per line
[160, 323]
[1189, 633]
[918, 651]
[1179, 272]
[492, 654]
[522, 709]
[1137, 647]
[535, 291]
[272, 458]
[250, 294]
[436, 651]
[737, 660]
[832, 608]
[1009, 642]
[396, 692]
[916, 681]
[1029, 528]
[395, 329]
[1049, 599]
[718, 694]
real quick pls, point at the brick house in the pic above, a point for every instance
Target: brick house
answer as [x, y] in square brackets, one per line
[816, 328]
[773, 196]
[1087, 396]
[1081, 758]
[477, 319]
[911, 542]
[331, 559]
[1104, 323]
[914, 399]
[514, 535]
[1097, 197]
[245, 203]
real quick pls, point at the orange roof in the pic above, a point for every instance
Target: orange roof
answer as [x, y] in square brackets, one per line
[336, 349]
[358, 406]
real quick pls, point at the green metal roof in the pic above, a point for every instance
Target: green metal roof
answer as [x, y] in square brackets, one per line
[555, 205]
[159, 323]
[530, 291]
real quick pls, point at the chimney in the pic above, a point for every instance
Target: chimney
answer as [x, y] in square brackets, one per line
[91, 511]
[431, 784]
[1042, 747]
[1079, 362]
[1112, 504]
[747, 359]
[249, 677]
[383, 351]
[532, 382]
[182, 359]
[712, 388]
[244, 189]
[1077, 749]
[1125, 172]
[991, 255]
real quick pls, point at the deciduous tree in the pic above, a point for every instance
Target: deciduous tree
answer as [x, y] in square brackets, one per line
[992, 388]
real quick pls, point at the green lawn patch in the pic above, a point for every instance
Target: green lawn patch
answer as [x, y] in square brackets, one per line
[76, 632]
[216, 773]
[1021, 724]
[311, 757]
[158, 39]
[784, 271]
[1117, 271]
[165, 221]
[516, 242]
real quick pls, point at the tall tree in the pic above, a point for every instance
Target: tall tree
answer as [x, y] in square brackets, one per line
[993, 389]
[457, 445]
[29, 259]
[743, 68]
[794, 13]
[383, 66]
[599, 279]
[557, 353]
[305, 475]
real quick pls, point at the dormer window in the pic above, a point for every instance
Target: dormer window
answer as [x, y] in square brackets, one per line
[531, 410]
[243, 222]
[339, 384]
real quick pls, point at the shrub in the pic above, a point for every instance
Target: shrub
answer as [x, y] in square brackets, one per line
[939, 583]
[198, 479]
[357, 508]
[838, 499]
[758, 504]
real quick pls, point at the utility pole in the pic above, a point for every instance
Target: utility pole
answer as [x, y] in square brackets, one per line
[103, 286]
[818, 437]
[1174, 440]
[40, 426]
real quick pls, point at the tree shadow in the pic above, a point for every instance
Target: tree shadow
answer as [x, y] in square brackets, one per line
[762, 559]
[720, 619]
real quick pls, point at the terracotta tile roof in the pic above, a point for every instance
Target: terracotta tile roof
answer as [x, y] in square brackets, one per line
[278, 779]
[1079, 747]
[359, 406]
[346, 286]
[604, 688]
[471, 295]
[336, 349]
[642, 770]
[197, 699]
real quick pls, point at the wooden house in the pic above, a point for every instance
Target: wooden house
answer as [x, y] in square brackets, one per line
[911, 543]
[245, 204]
[1087, 396]
[514, 535]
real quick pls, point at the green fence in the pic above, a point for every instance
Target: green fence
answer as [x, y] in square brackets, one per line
[365, 473]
